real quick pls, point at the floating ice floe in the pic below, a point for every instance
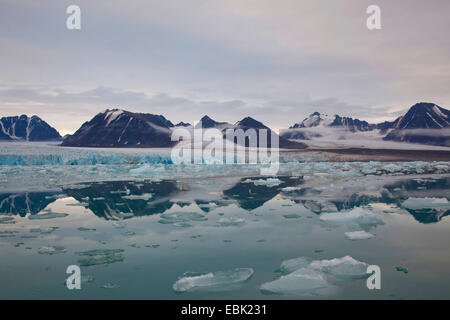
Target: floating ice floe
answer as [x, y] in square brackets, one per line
[358, 215]
[180, 218]
[269, 182]
[303, 275]
[51, 250]
[358, 235]
[291, 265]
[47, 215]
[220, 280]
[299, 281]
[145, 196]
[345, 267]
[230, 222]
[100, 256]
[291, 189]
[426, 203]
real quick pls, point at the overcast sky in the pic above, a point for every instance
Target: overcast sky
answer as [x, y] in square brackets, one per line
[277, 61]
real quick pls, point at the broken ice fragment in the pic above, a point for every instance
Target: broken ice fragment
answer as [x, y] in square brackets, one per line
[51, 250]
[181, 219]
[345, 267]
[358, 235]
[300, 281]
[230, 221]
[212, 281]
[291, 265]
[47, 215]
[358, 215]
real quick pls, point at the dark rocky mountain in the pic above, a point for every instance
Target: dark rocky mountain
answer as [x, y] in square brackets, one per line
[183, 124]
[24, 128]
[207, 122]
[120, 128]
[423, 123]
[424, 115]
[250, 123]
[353, 125]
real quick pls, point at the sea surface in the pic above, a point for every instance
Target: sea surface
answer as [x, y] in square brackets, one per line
[140, 227]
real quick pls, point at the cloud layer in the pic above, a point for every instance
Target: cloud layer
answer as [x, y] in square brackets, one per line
[277, 61]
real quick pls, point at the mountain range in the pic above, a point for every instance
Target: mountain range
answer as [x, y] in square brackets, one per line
[425, 123]
[120, 128]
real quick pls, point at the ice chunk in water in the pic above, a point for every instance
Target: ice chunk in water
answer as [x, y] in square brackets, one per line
[220, 280]
[291, 265]
[358, 215]
[181, 218]
[231, 221]
[269, 182]
[345, 267]
[306, 276]
[47, 215]
[358, 235]
[300, 281]
[51, 250]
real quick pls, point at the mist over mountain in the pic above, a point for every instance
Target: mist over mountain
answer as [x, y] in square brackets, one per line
[424, 123]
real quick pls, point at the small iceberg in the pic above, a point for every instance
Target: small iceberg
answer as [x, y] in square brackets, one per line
[358, 215]
[51, 250]
[181, 219]
[269, 182]
[305, 276]
[302, 280]
[230, 222]
[358, 235]
[212, 281]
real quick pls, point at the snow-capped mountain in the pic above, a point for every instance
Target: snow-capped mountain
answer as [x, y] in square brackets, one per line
[424, 123]
[120, 128]
[24, 128]
[423, 115]
[317, 119]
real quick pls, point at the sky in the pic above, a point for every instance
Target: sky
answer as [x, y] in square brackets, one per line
[274, 60]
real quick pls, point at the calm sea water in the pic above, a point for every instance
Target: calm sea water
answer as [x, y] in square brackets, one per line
[147, 234]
